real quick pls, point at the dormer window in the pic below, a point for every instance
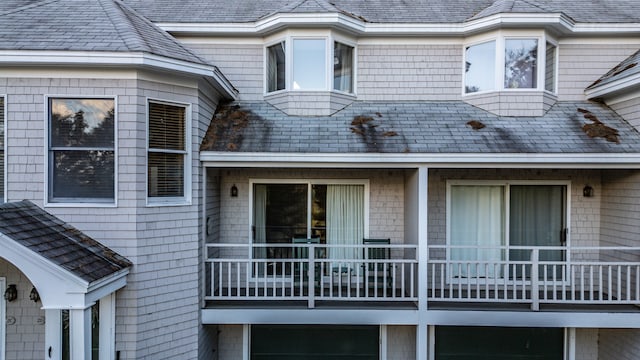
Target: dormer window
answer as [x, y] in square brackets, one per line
[508, 63]
[310, 64]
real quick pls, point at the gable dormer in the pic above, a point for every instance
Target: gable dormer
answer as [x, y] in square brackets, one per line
[511, 72]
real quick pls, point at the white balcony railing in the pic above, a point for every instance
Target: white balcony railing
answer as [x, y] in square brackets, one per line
[534, 275]
[324, 272]
[455, 274]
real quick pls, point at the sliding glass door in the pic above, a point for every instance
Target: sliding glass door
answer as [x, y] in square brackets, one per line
[332, 212]
[489, 222]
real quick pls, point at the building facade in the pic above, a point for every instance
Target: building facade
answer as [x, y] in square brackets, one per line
[286, 179]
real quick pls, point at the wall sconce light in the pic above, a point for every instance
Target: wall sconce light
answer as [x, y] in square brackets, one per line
[11, 293]
[34, 295]
[587, 191]
[234, 191]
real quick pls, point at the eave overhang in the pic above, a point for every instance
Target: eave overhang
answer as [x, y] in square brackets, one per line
[626, 85]
[118, 59]
[409, 160]
[557, 22]
[59, 288]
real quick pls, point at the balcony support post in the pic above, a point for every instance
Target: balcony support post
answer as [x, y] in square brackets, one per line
[311, 275]
[535, 294]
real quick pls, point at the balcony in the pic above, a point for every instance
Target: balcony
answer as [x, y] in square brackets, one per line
[538, 278]
[277, 272]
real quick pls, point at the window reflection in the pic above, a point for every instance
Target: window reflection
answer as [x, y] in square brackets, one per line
[520, 63]
[480, 67]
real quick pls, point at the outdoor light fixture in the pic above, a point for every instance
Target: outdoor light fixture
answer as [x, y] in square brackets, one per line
[587, 191]
[34, 295]
[234, 191]
[11, 293]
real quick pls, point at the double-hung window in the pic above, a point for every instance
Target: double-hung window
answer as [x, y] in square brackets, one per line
[81, 150]
[167, 160]
[316, 64]
[490, 224]
[508, 63]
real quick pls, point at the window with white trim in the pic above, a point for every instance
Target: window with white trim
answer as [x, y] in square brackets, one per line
[81, 150]
[308, 63]
[167, 157]
[507, 63]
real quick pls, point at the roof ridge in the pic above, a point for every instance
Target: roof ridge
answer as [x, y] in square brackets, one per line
[538, 5]
[29, 6]
[129, 12]
[128, 40]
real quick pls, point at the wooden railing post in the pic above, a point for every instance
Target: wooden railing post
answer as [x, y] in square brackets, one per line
[535, 295]
[311, 275]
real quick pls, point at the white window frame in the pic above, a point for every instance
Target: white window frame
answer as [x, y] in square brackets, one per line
[79, 202]
[330, 37]
[556, 64]
[506, 201]
[173, 200]
[500, 38]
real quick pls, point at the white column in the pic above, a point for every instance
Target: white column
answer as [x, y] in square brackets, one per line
[422, 348]
[80, 333]
[384, 337]
[53, 334]
[108, 327]
[246, 341]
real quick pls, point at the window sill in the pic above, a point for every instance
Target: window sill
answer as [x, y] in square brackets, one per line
[170, 202]
[79, 204]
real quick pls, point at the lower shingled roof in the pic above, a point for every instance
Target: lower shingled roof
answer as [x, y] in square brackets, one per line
[58, 242]
[420, 127]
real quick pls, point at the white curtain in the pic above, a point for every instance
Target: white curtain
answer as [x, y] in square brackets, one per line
[477, 220]
[345, 220]
[536, 219]
[260, 219]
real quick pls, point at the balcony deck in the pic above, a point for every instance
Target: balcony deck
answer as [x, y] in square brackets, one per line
[587, 278]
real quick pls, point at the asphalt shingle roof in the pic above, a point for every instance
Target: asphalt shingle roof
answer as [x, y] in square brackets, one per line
[59, 242]
[420, 127]
[385, 11]
[84, 25]
[628, 67]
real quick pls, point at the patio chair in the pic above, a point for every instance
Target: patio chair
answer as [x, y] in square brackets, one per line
[374, 273]
[302, 253]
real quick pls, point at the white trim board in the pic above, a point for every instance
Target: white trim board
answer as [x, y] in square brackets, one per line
[411, 160]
